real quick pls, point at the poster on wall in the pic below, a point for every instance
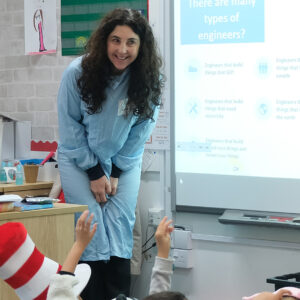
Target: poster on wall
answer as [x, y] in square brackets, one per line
[79, 18]
[40, 27]
[160, 137]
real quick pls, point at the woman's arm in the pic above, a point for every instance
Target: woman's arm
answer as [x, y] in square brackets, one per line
[72, 134]
[133, 149]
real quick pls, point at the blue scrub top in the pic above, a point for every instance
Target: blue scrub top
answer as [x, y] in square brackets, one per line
[106, 137]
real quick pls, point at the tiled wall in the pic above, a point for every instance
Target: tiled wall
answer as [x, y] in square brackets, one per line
[28, 84]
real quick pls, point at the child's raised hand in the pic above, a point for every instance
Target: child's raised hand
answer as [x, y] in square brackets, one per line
[162, 237]
[84, 232]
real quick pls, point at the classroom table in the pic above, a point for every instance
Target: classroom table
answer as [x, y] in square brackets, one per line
[39, 188]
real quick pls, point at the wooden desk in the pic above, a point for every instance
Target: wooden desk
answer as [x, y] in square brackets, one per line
[40, 188]
[52, 231]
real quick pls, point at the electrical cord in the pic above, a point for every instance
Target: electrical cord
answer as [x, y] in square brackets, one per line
[153, 245]
[179, 227]
[148, 240]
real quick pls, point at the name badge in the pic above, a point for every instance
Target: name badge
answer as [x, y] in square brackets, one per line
[122, 106]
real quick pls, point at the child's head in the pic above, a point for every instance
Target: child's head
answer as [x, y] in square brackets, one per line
[166, 296]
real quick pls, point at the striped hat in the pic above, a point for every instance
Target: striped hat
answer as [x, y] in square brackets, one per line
[22, 265]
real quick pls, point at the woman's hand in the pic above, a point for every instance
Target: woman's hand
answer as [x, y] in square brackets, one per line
[100, 187]
[114, 184]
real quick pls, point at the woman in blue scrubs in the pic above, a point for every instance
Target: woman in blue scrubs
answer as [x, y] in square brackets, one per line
[108, 103]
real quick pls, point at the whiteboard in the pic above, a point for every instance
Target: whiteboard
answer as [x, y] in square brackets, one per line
[236, 102]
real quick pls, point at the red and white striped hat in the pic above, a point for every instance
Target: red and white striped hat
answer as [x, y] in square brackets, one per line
[22, 265]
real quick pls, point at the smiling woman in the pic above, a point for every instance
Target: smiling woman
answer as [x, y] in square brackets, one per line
[108, 103]
[122, 47]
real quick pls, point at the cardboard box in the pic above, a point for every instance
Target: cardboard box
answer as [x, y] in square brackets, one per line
[15, 138]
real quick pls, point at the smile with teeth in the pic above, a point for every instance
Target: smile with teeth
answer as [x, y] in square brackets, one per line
[121, 58]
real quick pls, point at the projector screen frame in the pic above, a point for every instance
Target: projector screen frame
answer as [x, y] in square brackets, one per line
[206, 208]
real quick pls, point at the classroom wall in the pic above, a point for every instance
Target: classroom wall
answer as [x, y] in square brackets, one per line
[229, 261]
[28, 84]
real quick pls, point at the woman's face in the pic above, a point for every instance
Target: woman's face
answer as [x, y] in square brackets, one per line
[122, 47]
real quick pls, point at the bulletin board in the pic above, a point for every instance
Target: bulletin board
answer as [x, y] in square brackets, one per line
[79, 18]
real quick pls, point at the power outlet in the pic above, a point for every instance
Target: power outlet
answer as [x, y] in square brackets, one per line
[183, 258]
[182, 239]
[154, 216]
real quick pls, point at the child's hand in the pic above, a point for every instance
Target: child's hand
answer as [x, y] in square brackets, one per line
[162, 237]
[84, 233]
[271, 296]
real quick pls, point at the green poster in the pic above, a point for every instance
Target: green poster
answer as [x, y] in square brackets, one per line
[79, 18]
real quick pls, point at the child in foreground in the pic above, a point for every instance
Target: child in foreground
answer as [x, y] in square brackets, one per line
[61, 285]
[163, 267]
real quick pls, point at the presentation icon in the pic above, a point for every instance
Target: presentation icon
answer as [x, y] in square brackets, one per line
[263, 68]
[263, 109]
[193, 69]
[193, 108]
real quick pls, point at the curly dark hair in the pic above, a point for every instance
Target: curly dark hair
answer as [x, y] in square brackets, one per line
[146, 81]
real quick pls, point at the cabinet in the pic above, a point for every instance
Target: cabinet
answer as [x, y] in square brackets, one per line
[40, 188]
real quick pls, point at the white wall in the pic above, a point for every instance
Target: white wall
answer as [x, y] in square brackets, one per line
[28, 84]
[232, 261]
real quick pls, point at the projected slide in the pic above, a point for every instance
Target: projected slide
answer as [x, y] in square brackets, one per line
[237, 87]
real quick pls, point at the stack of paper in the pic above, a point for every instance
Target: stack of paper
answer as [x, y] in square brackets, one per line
[7, 202]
